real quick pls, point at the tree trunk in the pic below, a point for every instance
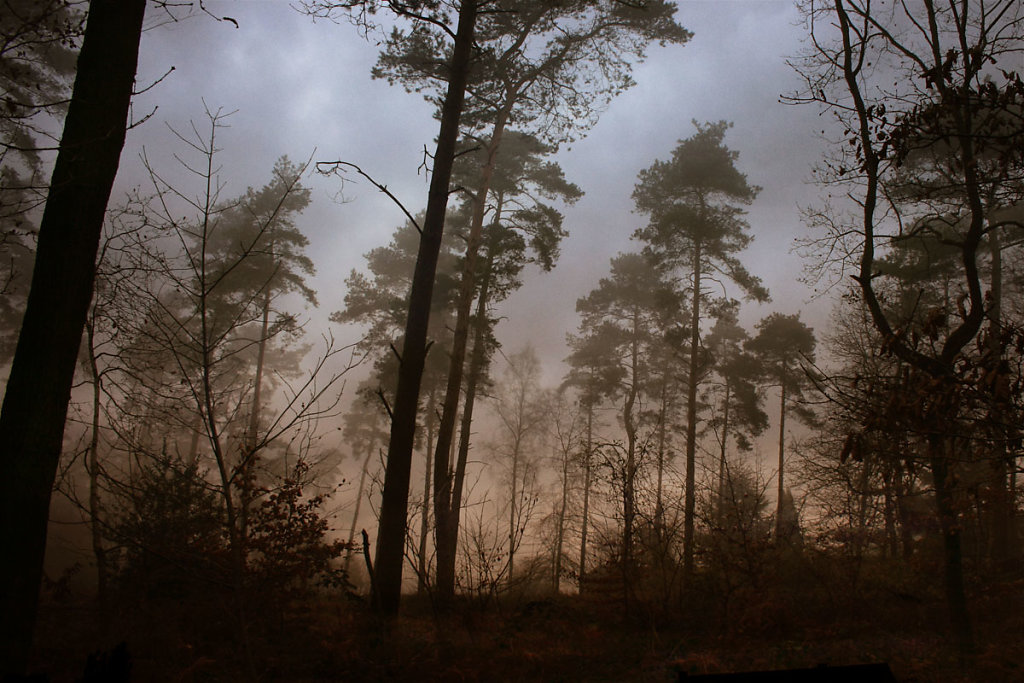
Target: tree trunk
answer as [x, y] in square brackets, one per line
[1001, 503]
[949, 522]
[659, 507]
[390, 556]
[421, 583]
[95, 523]
[252, 445]
[355, 513]
[560, 532]
[720, 508]
[587, 469]
[257, 388]
[446, 517]
[39, 386]
[629, 476]
[513, 526]
[448, 534]
[782, 450]
[691, 421]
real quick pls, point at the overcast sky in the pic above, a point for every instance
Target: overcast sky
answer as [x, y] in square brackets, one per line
[304, 89]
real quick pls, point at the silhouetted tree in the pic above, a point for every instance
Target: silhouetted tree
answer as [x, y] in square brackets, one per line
[936, 57]
[738, 403]
[785, 348]
[32, 420]
[38, 47]
[523, 228]
[547, 68]
[695, 203]
[521, 407]
[620, 324]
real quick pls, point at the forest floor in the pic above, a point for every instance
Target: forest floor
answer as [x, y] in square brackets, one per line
[567, 638]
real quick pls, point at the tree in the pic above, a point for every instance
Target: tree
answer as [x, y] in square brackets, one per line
[390, 555]
[944, 96]
[32, 421]
[566, 433]
[784, 346]
[38, 47]
[124, 267]
[379, 301]
[619, 327]
[739, 415]
[257, 236]
[521, 408]
[522, 229]
[547, 68]
[366, 434]
[594, 373]
[208, 346]
[431, 20]
[695, 204]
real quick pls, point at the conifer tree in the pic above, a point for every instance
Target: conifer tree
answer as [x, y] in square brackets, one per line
[696, 226]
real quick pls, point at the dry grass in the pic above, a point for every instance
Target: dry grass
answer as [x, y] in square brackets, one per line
[559, 639]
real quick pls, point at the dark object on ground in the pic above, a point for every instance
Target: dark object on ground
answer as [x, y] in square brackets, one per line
[859, 673]
[111, 666]
[105, 666]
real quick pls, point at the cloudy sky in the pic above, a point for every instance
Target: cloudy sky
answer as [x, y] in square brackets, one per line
[303, 88]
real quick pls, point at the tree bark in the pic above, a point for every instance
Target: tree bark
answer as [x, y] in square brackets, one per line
[629, 476]
[720, 507]
[95, 506]
[691, 421]
[355, 513]
[587, 469]
[659, 507]
[390, 555]
[445, 505]
[782, 462]
[999, 490]
[421, 582]
[447, 534]
[39, 387]
[560, 535]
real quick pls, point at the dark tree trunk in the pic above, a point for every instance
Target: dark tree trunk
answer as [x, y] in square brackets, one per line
[447, 534]
[560, 531]
[998, 489]
[421, 580]
[39, 387]
[691, 421]
[390, 556]
[782, 461]
[720, 508]
[445, 506]
[587, 469]
[95, 506]
[949, 522]
[629, 476]
[355, 513]
[659, 507]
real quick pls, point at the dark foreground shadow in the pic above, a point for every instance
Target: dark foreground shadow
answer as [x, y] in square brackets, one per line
[859, 673]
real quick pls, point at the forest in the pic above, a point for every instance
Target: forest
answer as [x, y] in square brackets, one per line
[219, 464]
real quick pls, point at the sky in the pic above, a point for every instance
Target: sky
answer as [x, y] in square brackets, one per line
[303, 88]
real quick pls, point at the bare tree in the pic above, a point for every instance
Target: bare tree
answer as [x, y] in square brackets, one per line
[902, 81]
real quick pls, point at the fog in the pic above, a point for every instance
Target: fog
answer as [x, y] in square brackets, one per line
[762, 412]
